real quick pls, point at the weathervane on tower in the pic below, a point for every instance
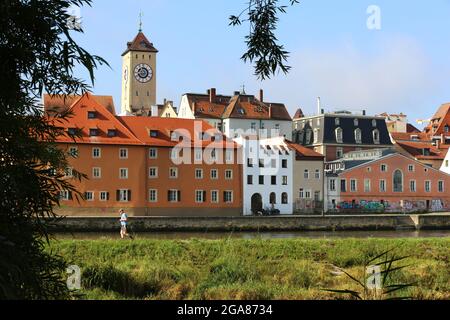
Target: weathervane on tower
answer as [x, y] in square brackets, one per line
[140, 21]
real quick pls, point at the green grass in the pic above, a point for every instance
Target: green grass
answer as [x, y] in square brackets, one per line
[247, 269]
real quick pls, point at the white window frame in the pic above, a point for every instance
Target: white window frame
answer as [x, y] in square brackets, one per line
[173, 169]
[155, 193]
[103, 199]
[216, 192]
[123, 195]
[355, 189]
[92, 196]
[228, 174]
[125, 150]
[173, 191]
[64, 195]
[197, 170]
[427, 182]
[121, 170]
[155, 155]
[73, 151]
[332, 185]
[367, 185]
[443, 186]
[230, 192]
[156, 173]
[216, 172]
[382, 181]
[99, 153]
[99, 176]
[411, 183]
[199, 196]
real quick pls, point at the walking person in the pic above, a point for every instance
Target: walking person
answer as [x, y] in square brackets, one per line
[123, 225]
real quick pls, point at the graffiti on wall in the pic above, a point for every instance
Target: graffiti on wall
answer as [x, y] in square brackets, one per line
[407, 206]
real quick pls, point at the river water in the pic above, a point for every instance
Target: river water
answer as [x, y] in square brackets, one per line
[264, 235]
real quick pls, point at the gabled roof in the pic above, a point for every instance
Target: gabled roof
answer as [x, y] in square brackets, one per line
[140, 44]
[439, 120]
[299, 114]
[103, 121]
[203, 108]
[62, 103]
[415, 149]
[411, 128]
[303, 153]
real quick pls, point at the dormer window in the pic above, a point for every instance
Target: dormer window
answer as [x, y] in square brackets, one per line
[93, 132]
[426, 151]
[154, 133]
[72, 131]
[337, 121]
[374, 123]
[376, 136]
[356, 122]
[446, 129]
[112, 133]
[339, 135]
[358, 136]
[92, 115]
[308, 136]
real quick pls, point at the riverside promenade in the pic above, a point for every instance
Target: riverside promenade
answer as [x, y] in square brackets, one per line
[437, 221]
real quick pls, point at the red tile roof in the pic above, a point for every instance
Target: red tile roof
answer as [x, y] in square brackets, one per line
[140, 44]
[61, 103]
[439, 121]
[415, 148]
[299, 114]
[305, 153]
[203, 108]
[103, 121]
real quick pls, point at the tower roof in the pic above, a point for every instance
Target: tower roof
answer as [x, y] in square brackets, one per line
[140, 44]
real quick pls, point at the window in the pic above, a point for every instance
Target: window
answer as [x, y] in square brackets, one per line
[250, 162]
[153, 172]
[253, 126]
[214, 174]
[228, 196]
[301, 194]
[343, 185]
[316, 135]
[353, 185]
[123, 153]
[411, 168]
[92, 114]
[376, 136]
[306, 174]
[273, 180]
[89, 196]
[358, 136]
[261, 163]
[198, 173]
[285, 181]
[383, 168]
[262, 126]
[228, 174]
[65, 195]
[173, 196]
[308, 194]
[93, 132]
[308, 136]
[123, 173]
[261, 180]
[272, 198]
[104, 196]
[229, 156]
[374, 123]
[356, 122]
[427, 186]
[112, 133]
[174, 154]
[277, 127]
[339, 135]
[284, 163]
[73, 152]
[317, 174]
[332, 185]
[316, 195]
[398, 181]
[337, 122]
[250, 179]
[198, 155]
[96, 173]
[284, 198]
[412, 186]
[153, 153]
[446, 163]
[154, 133]
[69, 172]
[200, 196]
[366, 185]
[72, 131]
[273, 163]
[382, 185]
[96, 153]
[173, 173]
[215, 196]
[441, 186]
[339, 153]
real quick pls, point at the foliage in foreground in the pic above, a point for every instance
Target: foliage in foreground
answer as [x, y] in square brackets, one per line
[249, 269]
[37, 55]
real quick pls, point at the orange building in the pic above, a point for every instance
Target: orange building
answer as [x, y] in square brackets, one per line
[149, 166]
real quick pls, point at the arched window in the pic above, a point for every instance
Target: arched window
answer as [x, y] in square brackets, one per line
[356, 122]
[358, 136]
[273, 198]
[339, 136]
[376, 136]
[398, 181]
[316, 135]
[284, 198]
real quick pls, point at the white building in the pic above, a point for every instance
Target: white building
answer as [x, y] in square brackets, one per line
[446, 164]
[238, 114]
[267, 175]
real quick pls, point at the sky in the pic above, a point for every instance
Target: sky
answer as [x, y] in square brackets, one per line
[403, 65]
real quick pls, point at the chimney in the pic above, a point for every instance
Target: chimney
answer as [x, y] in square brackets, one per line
[212, 94]
[154, 111]
[165, 101]
[261, 95]
[319, 109]
[270, 111]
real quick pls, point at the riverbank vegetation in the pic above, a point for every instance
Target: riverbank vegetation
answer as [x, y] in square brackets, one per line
[249, 269]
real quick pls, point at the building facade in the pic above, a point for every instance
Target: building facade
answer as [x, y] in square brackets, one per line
[267, 175]
[385, 181]
[334, 134]
[149, 166]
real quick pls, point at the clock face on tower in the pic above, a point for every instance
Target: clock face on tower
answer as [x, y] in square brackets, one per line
[143, 73]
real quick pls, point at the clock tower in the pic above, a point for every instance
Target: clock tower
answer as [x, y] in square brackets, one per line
[139, 76]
